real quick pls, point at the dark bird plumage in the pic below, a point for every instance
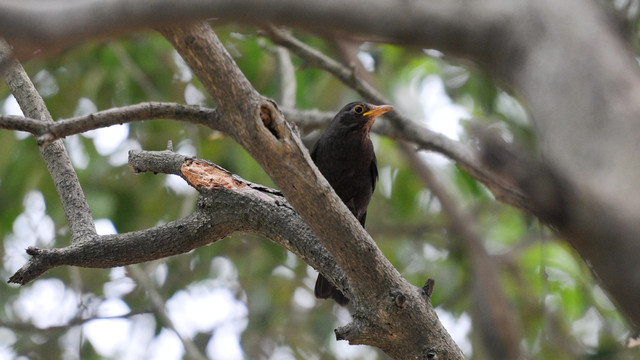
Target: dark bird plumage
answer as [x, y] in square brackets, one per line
[344, 155]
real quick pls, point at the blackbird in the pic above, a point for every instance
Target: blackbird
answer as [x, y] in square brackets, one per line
[344, 155]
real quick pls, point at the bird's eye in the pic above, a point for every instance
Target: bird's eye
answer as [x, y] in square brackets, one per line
[358, 109]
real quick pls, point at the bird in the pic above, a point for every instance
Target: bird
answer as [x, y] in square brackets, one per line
[345, 156]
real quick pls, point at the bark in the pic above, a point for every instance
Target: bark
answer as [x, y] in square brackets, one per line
[65, 179]
[389, 312]
[219, 212]
[48, 132]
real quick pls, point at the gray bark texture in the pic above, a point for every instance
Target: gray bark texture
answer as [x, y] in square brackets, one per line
[55, 156]
[389, 312]
[564, 59]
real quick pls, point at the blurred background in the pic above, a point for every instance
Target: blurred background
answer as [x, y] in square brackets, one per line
[244, 297]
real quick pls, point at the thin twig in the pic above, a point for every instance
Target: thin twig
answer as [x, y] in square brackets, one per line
[48, 132]
[31, 328]
[288, 78]
[130, 66]
[160, 309]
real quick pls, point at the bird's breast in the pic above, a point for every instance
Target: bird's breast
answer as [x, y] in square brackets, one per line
[348, 170]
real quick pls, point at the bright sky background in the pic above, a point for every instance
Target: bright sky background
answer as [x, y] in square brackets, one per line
[48, 302]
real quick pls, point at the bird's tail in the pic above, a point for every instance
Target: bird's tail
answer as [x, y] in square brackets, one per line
[325, 290]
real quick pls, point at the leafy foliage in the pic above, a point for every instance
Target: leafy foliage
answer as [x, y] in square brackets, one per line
[562, 313]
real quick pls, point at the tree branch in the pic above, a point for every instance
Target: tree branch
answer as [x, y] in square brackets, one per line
[498, 328]
[227, 203]
[474, 27]
[47, 132]
[65, 179]
[374, 284]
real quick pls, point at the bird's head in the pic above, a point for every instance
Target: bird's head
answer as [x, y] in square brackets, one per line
[360, 115]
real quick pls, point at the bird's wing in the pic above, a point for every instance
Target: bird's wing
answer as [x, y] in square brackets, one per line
[363, 218]
[373, 169]
[314, 150]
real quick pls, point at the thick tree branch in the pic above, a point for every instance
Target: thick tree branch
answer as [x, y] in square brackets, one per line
[249, 116]
[472, 26]
[259, 127]
[491, 314]
[585, 110]
[65, 179]
[227, 203]
[584, 106]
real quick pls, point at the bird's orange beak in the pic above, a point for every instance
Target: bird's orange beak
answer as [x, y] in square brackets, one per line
[377, 111]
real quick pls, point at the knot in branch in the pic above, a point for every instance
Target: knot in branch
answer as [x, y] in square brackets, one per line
[399, 299]
[269, 118]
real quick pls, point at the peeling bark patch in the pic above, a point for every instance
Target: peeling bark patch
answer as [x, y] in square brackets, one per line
[268, 120]
[202, 175]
